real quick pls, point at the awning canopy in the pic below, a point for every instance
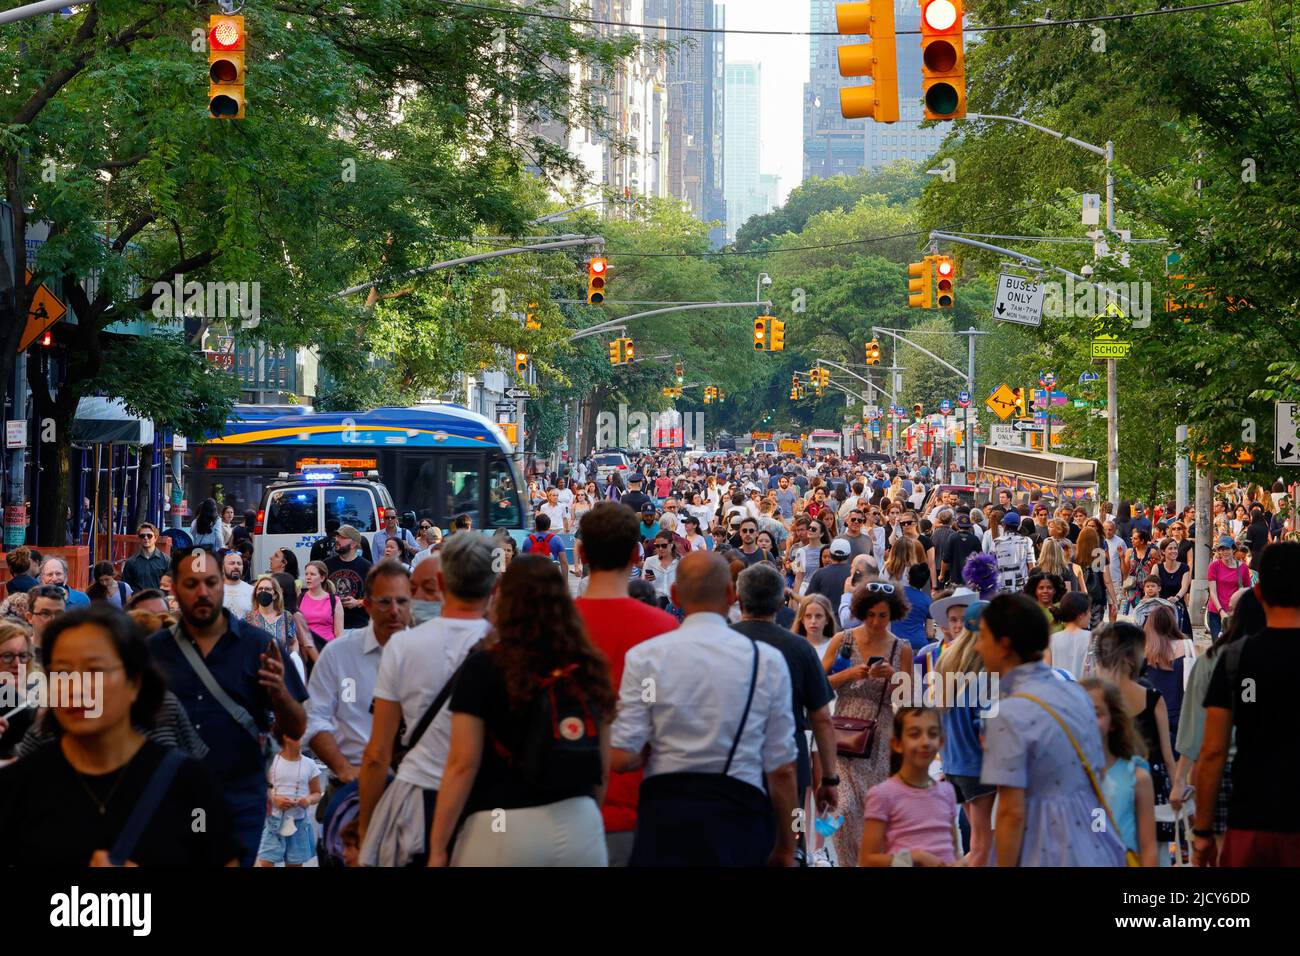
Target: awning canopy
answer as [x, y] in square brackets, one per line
[106, 421]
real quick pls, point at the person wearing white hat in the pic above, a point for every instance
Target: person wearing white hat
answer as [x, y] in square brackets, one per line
[947, 613]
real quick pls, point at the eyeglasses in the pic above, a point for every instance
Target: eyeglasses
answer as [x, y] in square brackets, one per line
[907, 524]
[146, 536]
[880, 587]
[426, 527]
[662, 547]
[854, 521]
[8, 657]
[385, 604]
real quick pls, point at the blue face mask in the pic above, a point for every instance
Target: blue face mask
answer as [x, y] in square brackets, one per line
[422, 611]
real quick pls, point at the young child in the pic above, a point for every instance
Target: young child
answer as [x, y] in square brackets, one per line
[911, 817]
[351, 837]
[289, 836]
[1127, 783]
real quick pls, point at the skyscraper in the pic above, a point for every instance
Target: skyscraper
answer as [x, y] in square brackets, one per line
[744, 196]
[696, 104]
[835, 146]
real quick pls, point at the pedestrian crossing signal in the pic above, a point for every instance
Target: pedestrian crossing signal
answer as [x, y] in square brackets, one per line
[226, 67]
[760, 334]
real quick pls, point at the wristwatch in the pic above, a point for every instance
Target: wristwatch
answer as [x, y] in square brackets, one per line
[1203, 833]
[830, 781]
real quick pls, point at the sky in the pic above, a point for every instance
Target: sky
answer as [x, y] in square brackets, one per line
[785, 70]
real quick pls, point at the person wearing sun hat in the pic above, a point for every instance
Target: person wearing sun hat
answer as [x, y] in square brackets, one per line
[947, 613]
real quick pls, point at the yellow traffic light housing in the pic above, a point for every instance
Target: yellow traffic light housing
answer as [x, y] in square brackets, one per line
[760, 334]
[877, 59]
[616, 352]
[521, 362]
[778, 335]
[943, 60]
[919, 276]
[628, 352]
[873, 352]
[945, 274]
[597, 270]
[226, 67]
[679, 372]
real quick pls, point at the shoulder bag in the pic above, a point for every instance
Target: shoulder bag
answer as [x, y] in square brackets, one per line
[195, 660]
[400, 750]
[853, 735]
[159, 783]
[1130, 857]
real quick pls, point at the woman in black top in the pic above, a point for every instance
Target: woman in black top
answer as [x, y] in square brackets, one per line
[1175, 580]
[67, 804]
[529, 735]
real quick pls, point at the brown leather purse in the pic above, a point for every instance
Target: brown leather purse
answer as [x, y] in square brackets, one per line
[853, 735]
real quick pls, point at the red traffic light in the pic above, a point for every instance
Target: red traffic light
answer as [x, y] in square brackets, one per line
[597, 266]
[47, 339]
[226, 33]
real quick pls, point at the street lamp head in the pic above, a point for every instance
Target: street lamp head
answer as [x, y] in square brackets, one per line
[765, 278]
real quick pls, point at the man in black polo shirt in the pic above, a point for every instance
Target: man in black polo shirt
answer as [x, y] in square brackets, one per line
[1250, 691]
[246, 665]
[635, 497]
[762, 594]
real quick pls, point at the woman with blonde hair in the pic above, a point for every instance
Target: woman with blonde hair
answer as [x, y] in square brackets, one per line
[268, 614]
[815, 621]
[17, 660]
[904, 553]
[1052, 560]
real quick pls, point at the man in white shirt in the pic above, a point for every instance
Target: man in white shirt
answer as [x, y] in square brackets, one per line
[556, 511]
[239, 593]
[718, 725]
[342, 683]
[417, 666]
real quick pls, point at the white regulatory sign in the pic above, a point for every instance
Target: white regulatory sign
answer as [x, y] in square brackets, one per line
[1287, 433]
[1019, 300]
[1006, 436]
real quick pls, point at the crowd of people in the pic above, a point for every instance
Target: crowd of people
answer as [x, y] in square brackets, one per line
[710, 662]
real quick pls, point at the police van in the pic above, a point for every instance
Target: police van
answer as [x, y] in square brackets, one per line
[296, 509]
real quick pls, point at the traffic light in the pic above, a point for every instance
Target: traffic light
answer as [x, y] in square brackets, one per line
[945, 271]
[760, 334]
[616, 352]
[1019, 397]
[47, 340]
[919, 275]
[943, 62]
[679, 372]
[596, 272]
[873, 352]
[226, 67]
[628, 353]
[877, 59]
[521, 362]
[778, 335]
[918, 411]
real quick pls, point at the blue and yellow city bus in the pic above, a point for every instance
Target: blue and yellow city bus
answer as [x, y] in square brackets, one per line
[438, 461]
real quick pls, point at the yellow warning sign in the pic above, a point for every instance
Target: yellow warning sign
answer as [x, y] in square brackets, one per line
[1003, 401]
[45, 310]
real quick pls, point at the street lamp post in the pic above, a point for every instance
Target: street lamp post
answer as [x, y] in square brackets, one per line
[1107, 153]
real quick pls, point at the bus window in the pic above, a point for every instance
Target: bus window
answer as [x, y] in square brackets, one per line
[503, 495]
[292, 511]
[352, 506]
[460, 487]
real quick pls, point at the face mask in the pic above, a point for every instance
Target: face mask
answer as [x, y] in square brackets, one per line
[265, 598]
[422, 611]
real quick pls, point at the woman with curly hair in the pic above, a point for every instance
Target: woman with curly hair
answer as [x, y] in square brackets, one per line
[862, 687]
[529, 735]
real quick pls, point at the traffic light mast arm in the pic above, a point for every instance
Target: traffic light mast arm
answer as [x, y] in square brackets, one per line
[479, 257]
[952, 368]
[849, 371]
[693, 307]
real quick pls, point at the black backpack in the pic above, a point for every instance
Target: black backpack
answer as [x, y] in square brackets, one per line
[560, 749]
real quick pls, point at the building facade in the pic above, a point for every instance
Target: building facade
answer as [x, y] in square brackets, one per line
[744, 194]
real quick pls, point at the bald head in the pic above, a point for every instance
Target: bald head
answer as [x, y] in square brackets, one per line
[424, 579]
[703, 584]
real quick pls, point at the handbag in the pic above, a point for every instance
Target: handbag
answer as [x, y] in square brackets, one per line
[1130, 857]
[144, 809]
[854, 735]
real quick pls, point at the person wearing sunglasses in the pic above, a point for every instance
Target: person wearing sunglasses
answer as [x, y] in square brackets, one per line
[660, 569]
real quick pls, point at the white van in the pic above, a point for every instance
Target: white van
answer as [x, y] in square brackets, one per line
[295, 510]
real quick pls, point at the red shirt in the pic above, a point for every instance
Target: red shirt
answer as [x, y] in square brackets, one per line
[614, 625]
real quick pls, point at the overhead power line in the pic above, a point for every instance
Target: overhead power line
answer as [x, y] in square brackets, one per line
[1032, 25]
